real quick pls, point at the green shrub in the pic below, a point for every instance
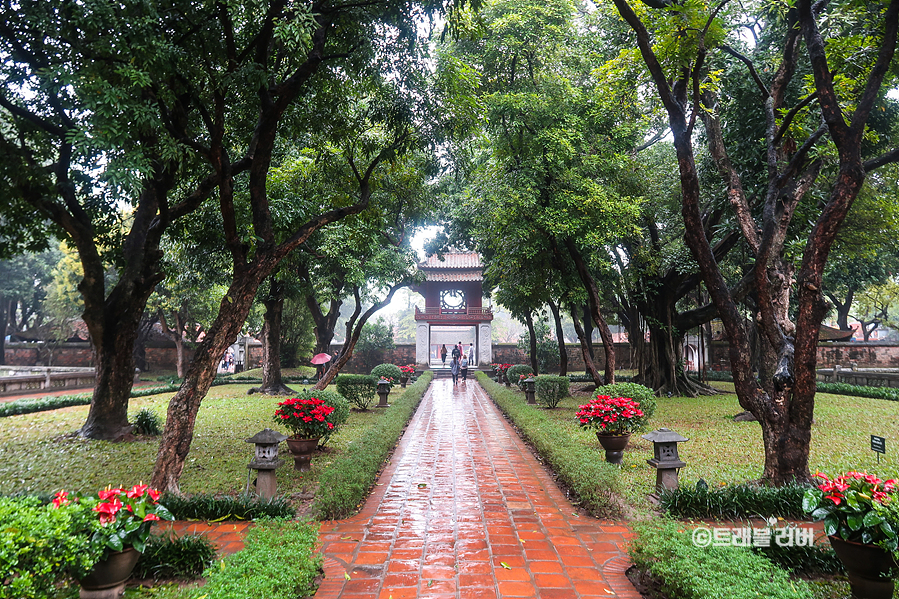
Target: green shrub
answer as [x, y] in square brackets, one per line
[346, 482]
[41, 544]
[514, 372]
[734, 501]
[278, 561]
[334, 399]
[637, 392]
[685, 570]
[801, 559]
[578, 466]
[226, 507]
[551, 389]
[175, 557]
[387, 371]
[147, 422]
[358, 389]
[41, 404]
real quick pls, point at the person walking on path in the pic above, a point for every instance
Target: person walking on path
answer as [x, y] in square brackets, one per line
[457, 353]
[454, 369]
[443, 354]
[463, 367]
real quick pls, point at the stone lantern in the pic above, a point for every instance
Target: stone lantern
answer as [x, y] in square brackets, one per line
[665, 459]
[383, 392]
[529, 390]
[265, 461]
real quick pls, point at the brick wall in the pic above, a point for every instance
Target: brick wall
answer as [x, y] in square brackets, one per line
[865, 355]
[503, 353]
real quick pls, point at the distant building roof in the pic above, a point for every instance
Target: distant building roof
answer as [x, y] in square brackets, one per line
[455, 267]
[456, 260]
[831, 334]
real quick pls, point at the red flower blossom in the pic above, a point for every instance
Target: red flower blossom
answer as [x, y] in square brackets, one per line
[61, 498]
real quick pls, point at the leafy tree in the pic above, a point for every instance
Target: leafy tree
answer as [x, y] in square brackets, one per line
[542, 176]
[877, 306]
[547, 353]
[683, 48]
[375, 338]
[24, 280]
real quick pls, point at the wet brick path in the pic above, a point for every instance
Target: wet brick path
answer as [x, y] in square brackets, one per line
[464, 510]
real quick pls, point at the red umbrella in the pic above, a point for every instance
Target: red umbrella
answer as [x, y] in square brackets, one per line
[320, 358]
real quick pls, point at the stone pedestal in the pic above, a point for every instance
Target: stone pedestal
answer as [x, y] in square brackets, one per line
[485, 345]
[267, 483]
[423, 344]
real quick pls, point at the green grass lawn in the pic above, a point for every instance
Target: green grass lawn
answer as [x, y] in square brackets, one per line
[40, 453]
[722, 451]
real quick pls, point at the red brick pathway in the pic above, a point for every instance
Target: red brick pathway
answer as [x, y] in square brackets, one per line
[226, 536]
[463, 511]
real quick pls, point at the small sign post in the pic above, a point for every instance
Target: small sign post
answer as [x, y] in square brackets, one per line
[878, 445]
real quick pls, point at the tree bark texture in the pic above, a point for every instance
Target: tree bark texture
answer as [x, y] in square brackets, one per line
[785, 405]
[594, 303]
[532, 342]
[585, 348]
[560, 339]
[272, 383]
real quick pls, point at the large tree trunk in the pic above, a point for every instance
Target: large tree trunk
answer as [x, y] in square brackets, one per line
[588, 332]
[560, 338]
[183, 407]
[271, 343]
[140, 345]
[594, 303]
[585, 348]
[4, 318]
[662, 356]
[175, 335]
[532, 342]
[114, 356]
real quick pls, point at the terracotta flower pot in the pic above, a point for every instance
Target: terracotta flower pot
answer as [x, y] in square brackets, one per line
[302, 450]
[108, 576]
[614, 446]
[867, 567]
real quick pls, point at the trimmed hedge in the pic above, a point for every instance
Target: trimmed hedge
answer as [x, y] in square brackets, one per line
[358, 389]
[516, 371]
[886, 393]
[551, 389]
[42, 404]
[643, 395]
[734, 501]
[226, 507]
[579, 467]
[387, 371]
[665, 549]
[279, 561]
[346, 482]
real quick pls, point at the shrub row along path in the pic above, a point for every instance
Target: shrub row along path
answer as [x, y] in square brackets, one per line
[464, 510]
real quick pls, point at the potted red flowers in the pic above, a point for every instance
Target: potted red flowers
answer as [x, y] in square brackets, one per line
[613, 419]
[408, 371]
[861, 520]
[122, 526]
[308, 421]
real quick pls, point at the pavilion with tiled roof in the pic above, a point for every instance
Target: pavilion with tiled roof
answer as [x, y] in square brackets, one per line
[453, 307]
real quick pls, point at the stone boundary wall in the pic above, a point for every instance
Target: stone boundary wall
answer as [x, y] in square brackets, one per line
[830, 354]
[159, 356]
[162, 357]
